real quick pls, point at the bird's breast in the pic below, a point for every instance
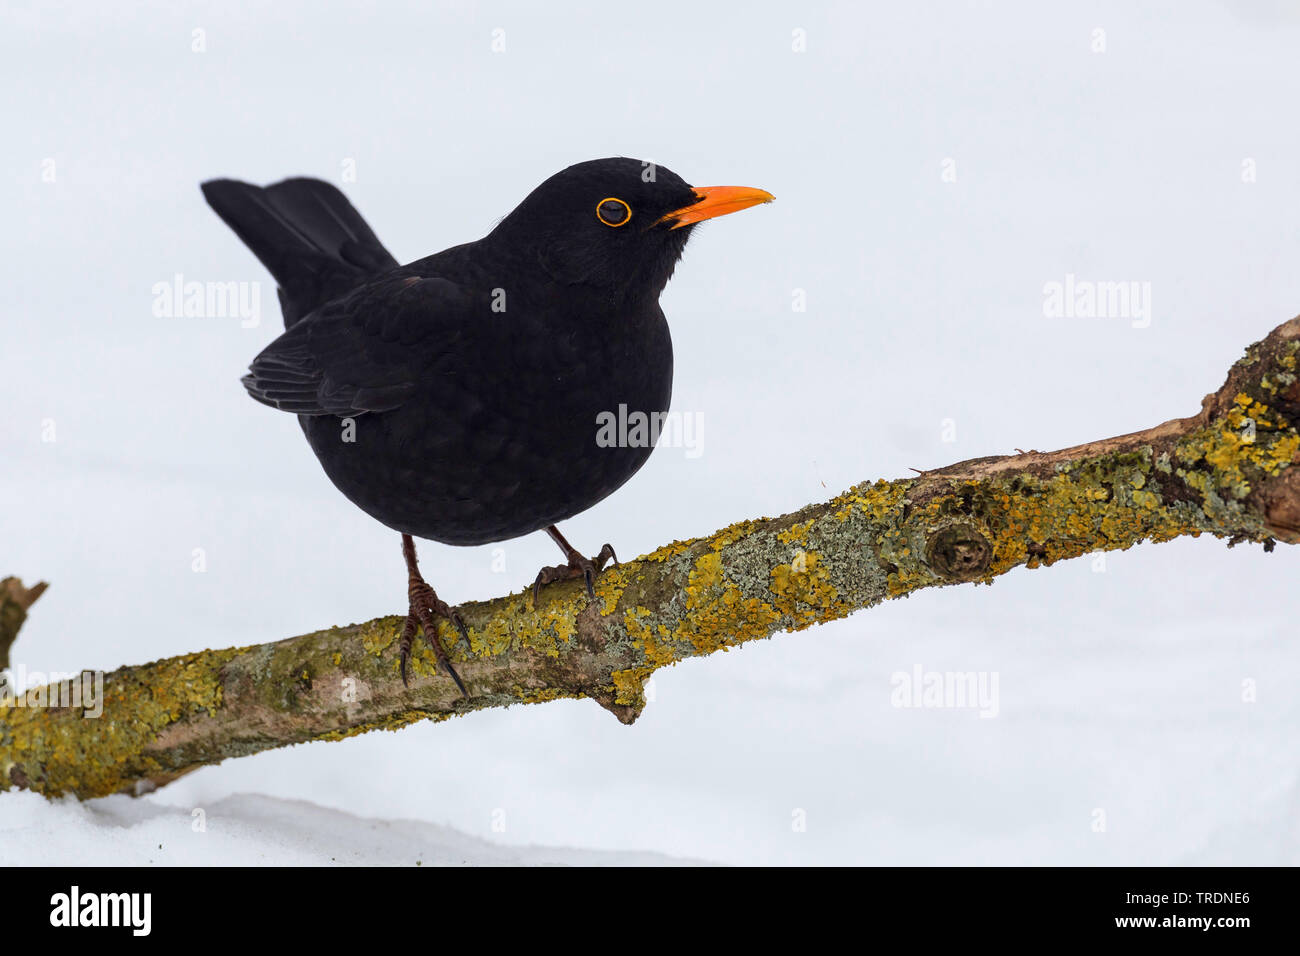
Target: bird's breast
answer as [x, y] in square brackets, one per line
[542, 416]
[573, 372]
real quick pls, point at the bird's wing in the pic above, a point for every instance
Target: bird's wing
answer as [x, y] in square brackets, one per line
[365, 352]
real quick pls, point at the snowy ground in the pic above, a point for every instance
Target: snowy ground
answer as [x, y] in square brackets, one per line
[253, 830]
[1147, 709]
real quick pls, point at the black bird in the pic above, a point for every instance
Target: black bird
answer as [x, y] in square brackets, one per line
[457, 398]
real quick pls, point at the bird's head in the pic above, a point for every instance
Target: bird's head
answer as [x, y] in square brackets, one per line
[618, 225]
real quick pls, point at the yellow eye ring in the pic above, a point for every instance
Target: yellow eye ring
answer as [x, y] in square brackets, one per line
[627, 212]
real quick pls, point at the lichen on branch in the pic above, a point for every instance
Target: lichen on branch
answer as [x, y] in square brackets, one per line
[1227, 471]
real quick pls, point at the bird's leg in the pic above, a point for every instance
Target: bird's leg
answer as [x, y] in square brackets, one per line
[577, 566]
[425, 608]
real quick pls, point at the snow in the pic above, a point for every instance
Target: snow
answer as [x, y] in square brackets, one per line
[1147, 711]
[252, 830]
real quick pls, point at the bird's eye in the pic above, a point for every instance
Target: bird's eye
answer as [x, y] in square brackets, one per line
[613, 212]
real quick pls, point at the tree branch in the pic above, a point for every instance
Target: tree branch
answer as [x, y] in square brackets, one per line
[1226, 471]
[14, 602]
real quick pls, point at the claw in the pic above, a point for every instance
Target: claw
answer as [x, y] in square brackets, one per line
[424, 609]
[577, 565]
[461, 628]
[408, 638]
[460, 684]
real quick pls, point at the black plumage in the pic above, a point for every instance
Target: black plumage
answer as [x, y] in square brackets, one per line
[456, 398]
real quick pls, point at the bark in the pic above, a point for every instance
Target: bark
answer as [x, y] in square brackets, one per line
[14, 602]
[1226, 471]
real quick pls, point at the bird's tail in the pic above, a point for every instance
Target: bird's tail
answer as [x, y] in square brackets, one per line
[306, 233]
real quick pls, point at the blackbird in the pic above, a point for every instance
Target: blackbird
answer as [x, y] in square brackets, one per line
[457, 398]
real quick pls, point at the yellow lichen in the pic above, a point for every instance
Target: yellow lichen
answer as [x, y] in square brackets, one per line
[629, 685]
[803, 591]
[94, 756]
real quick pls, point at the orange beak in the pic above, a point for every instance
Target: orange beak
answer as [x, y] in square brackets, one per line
[716, 201]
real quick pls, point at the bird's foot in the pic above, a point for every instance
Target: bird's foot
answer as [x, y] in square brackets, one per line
[577, 566]
[422, 614]
[425, 609]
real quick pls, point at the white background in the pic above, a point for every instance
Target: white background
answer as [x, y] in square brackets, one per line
[1120, 689]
